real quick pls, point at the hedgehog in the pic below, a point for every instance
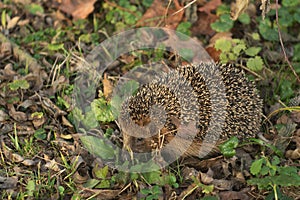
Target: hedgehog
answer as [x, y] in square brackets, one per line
[218, 98]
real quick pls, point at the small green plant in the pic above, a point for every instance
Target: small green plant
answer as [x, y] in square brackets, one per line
[228, 147]
[288, 16]
[152, 193]
[19, 84]
[269, 175]
[124, 13]
[233, 49]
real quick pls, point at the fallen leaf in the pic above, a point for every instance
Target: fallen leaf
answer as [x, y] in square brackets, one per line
[79, 9]
[156, 13]
[8, 182]
[17, 115]
[210, 48]
[211, 5]
[238, 8]
[202, 25]
[107, 87]
[3, 116]
[13, 22]
[235, 195]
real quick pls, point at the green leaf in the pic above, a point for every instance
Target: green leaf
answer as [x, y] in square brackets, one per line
[267, 31]
[297, 17]
[209, 198]
[101, 173]
[224, 24]
[238, 48]
[147, 3]
[255, 64]
[98, 147]
[34, 8]
[255, 36]
[275, 160]
[252, 51]
[223, 45]
[152, 177]
[184, 27]
[244, 18]
[207, 189]
[3, 18]
[228, 147]
[186, 54]
[19, 84]
[89, 120]
[285, 18]
[40, 134]
[30, 187]
[91, 183]
[55, 47]
[256, 166]
[290, 3]
[103, 184]
[286, 90]
[296, 56]
[102, 110]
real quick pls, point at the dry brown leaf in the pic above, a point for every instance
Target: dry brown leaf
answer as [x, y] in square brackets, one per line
[107, 87]
[235, 195]
[202, 26]
[211, 5]
[8, 182]
[265, 7]
[210, 48]
[79, 9]
[16, 115]
[3, 116]
[13, 22]
[157, 11]
[238, 8]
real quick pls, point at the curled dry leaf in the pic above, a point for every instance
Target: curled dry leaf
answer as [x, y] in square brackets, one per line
[79, 9]
[13, 22]
[52, 164]
[238, 8]
[3, 116]
[80, 179]
[265, 7]
[6, 49]
[16, 157]
[293, 154]
[28, 162]
[16, 115]
[107, 87]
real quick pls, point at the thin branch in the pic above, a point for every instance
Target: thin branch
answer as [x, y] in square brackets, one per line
[282, 45]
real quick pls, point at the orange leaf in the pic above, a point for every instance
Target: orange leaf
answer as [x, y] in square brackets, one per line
[79, 9]
[211, 5]
[156, 13]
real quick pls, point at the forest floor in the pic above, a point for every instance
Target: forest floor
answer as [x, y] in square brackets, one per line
[50, 147]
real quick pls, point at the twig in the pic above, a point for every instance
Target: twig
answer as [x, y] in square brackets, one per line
[184, 7]
[282, 46]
